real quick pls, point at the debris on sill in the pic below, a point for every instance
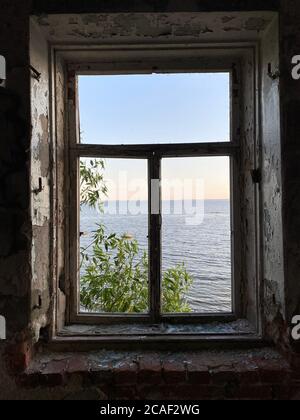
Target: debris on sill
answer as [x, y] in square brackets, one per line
[236, 327]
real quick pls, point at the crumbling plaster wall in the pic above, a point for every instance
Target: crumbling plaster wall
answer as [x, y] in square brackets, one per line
[274, 314]
[115, 6]
[16, 229]
[15, 226]
[15, 269]
[290, 139]
[40, 183]
[153, 27]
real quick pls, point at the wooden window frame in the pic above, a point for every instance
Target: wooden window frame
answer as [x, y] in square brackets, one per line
[153, 153]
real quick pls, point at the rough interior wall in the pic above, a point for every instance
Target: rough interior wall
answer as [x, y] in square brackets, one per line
[273, 273]
[15, 226]
[15, 269]
[40, 183]
[96, 28]
[290, 106]
[114, 6]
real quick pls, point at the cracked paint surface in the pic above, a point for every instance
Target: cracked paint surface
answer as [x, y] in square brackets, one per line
[166, 26]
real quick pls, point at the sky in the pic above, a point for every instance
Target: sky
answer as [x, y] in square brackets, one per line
[158, 108]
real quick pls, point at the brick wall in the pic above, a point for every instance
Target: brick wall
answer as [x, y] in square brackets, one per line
[257, 374]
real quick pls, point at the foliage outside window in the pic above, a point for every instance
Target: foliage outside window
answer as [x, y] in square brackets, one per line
[114, 271]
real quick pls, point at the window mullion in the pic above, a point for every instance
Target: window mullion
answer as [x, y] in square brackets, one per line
[155, 236]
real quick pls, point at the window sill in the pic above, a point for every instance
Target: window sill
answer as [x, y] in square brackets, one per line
[239, 327]
[237, 334]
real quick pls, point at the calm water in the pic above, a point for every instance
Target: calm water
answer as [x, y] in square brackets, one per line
[204, 248]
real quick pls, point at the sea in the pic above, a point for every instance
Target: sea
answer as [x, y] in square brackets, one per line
[197, 234]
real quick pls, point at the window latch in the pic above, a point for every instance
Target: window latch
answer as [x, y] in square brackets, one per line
[256, 176]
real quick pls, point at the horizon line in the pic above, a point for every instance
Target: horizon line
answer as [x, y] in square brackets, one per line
[166, 200]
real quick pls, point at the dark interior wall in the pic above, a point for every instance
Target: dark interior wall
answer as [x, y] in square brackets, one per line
[274, 314]
[290, 111]
[15, 133]
[15, 226]
[40, 185]
[111, 6]
[15, 235]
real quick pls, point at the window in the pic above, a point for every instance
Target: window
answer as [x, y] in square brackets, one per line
[154, 203]
[196, 230]
[153, 109]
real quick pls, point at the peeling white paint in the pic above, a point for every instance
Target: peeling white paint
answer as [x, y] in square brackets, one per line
[127, 27]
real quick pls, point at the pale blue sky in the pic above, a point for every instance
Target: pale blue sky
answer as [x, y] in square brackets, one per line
[172, 108]
[154, 108]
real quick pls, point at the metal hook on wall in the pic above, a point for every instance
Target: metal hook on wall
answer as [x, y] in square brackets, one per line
[35, 73]
[274, 75]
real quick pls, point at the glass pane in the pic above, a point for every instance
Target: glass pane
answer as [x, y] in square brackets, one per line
[155, 108]
[113, 236]
[196, 235]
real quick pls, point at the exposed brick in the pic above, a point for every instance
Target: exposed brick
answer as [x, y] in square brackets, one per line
[101, 376]
[191, 392]
[100, 373]
[126, 373]
[182, 392]
[150, 370]
[174, 372]
[166, 376]
[56, 367]
[124, 393]
[77, 364]
[273, 372]
[223, 375]
[150, 392]
[197, 373]
[248, 375]
[54, 374]
[295, 374]
[88, 394]
[26, 380]
[19, 356]
[281, 392]
[295, 392]
[255, 392]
